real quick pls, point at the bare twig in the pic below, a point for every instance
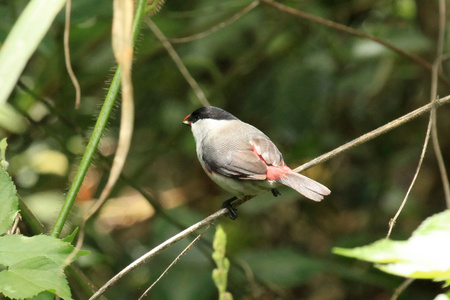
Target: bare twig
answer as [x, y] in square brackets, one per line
[373, 134]
[72, 76]
[174, 262]
[177, 60]
[432, 129]
[440, 161]
[144, 258]
[401, 288]
[15, 227]
[340, 27]
[419, 165]
[434, 134]
[217, 27]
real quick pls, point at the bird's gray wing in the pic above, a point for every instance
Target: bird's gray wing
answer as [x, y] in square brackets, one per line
[240, 151]
[267, 150]
[238, 164]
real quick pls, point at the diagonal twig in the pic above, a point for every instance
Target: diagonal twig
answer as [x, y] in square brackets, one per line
[177, 60]
[174, 262]
[434, 135]
[144, 258]
[72, 76]
[373, 134]
[419, 165]
[340, 27]
[217, 27]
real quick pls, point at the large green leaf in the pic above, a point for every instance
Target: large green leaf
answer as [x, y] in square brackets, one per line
[15, 248]
[31, 276]
[424, 255]
[35, 264]
[23, 40]
[9, 202]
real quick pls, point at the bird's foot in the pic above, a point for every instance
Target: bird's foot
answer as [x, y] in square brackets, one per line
[232, 214]
[276, 192]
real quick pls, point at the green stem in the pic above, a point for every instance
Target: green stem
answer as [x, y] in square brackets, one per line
[97, 132]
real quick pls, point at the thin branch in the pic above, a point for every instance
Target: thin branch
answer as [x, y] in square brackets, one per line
[177, 60]
[419, 165]
[373, 134]
[432, 129]
[434, 134]
[144, 258]
[401, 288]
[15, 227]
[174, 262]
[72, 76]
[441, 163]
[340, 27]
[217, 27]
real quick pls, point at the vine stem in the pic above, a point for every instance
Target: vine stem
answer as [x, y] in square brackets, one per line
[349, 30]
[99, 127]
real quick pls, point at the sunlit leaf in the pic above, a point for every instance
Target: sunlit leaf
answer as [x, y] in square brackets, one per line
[35, 264]
[16, 248]
[31, 276]
[23, 40]
[424, 255]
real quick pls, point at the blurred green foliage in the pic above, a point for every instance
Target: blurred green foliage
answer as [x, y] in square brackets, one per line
[308, 87]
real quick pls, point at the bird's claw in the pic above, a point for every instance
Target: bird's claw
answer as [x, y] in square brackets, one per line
[276, 192]
[232, 214]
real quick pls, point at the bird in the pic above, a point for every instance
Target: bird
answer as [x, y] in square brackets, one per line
[242, 159]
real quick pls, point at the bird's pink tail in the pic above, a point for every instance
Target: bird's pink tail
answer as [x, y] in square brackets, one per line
[307, 187]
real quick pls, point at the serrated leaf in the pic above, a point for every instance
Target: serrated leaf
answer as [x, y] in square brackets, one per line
[9, 202]
[16, 248]
[423, 255]
[31, 276]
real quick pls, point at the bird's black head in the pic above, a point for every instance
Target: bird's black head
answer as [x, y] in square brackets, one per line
[208, 112]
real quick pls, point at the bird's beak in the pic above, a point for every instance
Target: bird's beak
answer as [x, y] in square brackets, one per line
[186, 122]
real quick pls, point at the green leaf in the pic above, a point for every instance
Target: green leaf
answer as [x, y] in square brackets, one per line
[424, 255]
[9, 202]
[35, 264]
[23, 40]
[16, 248]
[44, 296]
[31, 276]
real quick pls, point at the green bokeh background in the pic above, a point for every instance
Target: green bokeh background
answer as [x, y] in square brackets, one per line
[310, 88]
